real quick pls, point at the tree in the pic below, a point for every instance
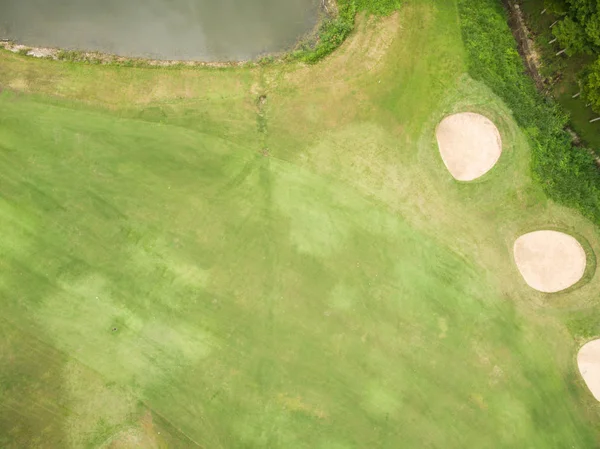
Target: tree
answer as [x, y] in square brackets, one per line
[592, 29]
[572, 37]
[579, 31]
[591, 85]
[558, 7]
[582, 10]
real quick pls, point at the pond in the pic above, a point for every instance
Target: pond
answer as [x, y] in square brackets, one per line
[207, 30]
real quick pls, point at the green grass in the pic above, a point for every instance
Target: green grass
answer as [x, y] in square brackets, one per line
[300, 272]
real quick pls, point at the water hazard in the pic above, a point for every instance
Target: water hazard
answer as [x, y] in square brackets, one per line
[206, 30]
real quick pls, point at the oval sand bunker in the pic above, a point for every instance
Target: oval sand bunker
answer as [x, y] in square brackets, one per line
[470, 145]
[549, 261]
[588, 361]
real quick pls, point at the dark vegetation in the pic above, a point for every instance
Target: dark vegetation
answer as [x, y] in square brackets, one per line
[335, 28]
[561, 74]
[578, 32]
[567, 174]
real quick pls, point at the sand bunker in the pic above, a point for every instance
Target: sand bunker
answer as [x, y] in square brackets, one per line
[549, 261]
[470, 145]
[588, 361]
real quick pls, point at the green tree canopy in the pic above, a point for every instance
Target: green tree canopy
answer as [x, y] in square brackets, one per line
[559, 7]
[579, 31]
[591, 85]
[592, 29]
[572, 37]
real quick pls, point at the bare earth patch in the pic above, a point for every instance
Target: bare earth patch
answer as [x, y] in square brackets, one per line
[470, 145]
[549, 261]
[588, 361]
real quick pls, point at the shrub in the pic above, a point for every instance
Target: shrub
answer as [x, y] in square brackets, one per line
[567, 174]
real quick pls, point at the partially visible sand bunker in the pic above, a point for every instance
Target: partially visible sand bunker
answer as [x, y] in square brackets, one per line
[549, 261]
[470, 145]
[588, 361]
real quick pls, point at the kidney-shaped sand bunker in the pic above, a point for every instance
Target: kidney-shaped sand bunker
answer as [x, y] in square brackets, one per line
[549, 261]
[588, 361]
[470, 145]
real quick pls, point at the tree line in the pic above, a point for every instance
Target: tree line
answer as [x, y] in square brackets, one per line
[578, 32]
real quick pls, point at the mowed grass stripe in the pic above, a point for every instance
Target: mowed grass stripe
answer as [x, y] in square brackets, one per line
[329, 294]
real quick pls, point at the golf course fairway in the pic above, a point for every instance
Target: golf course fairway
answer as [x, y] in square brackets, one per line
[275, 256]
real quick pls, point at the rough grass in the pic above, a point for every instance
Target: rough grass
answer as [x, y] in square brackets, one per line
[294, 272]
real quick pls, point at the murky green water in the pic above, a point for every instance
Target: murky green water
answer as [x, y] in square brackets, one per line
[160, 29]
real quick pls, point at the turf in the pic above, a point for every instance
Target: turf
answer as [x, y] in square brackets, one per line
[277, 257]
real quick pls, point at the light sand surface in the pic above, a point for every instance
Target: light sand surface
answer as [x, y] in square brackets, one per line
[470, 145]
[549, 261]
[588, 361]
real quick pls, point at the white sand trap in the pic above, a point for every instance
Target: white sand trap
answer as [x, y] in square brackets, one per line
[588, 361]
[470, 145]
[549, 261]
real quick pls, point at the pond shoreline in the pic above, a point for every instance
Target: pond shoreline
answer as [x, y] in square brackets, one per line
[328, 10]
[96, 57]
